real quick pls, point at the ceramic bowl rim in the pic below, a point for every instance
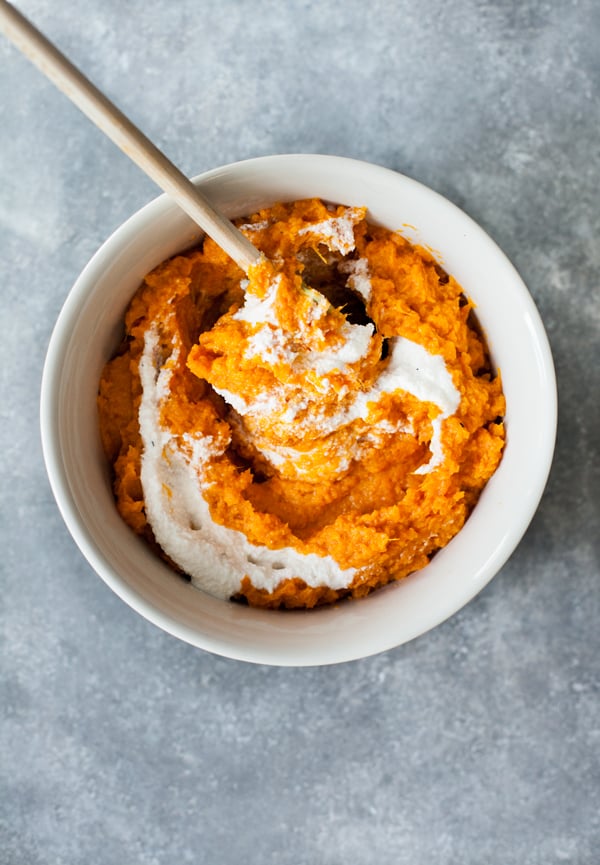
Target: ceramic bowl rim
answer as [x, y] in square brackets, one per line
[59, 475]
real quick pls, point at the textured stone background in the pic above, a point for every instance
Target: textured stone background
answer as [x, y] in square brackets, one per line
[477, 743]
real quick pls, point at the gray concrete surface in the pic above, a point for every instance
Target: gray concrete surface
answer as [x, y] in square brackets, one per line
[477, 743]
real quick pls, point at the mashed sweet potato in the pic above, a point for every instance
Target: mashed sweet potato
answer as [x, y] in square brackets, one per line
[311, 433]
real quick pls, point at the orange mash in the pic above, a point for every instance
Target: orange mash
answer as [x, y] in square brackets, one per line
[312, 432]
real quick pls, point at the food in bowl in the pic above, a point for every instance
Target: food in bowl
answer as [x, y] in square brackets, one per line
[310, 433]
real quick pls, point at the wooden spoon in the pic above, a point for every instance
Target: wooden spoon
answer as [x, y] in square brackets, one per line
[125, 135]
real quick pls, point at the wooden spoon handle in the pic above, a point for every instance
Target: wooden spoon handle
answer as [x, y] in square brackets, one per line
[125, 134]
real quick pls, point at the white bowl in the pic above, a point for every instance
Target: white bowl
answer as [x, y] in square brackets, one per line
[89, 328]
